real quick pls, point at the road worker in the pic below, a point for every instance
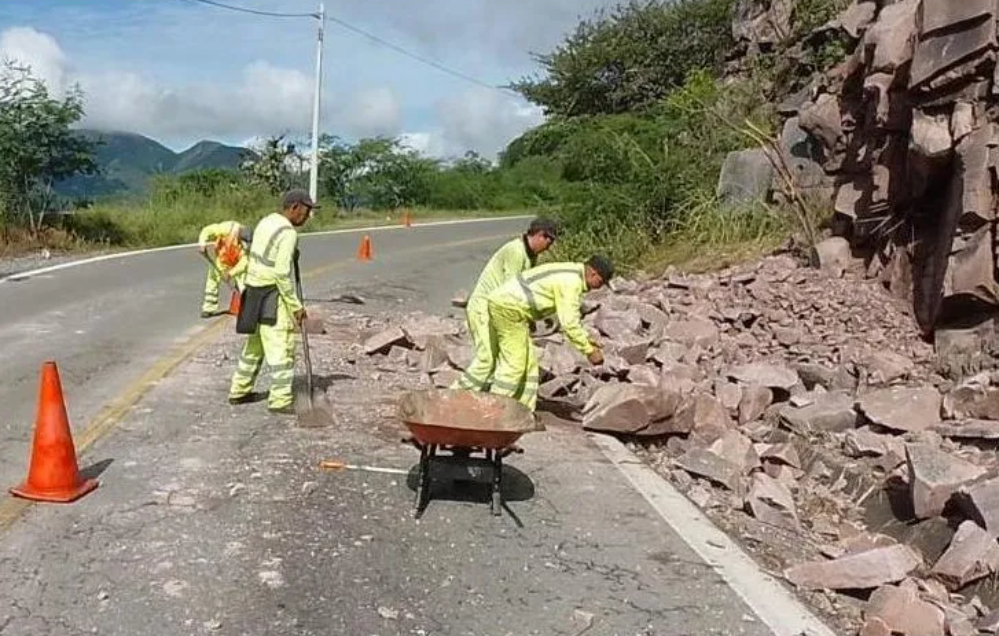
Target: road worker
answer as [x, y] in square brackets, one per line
[513, 258]
[271, 308]
[555, 288]
[229, 263]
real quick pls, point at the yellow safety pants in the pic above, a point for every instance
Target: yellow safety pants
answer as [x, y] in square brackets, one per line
[516, 373]
[479, 373]
[210, 303]
[276, 345]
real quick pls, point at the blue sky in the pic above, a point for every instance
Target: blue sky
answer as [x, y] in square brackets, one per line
[181, 71]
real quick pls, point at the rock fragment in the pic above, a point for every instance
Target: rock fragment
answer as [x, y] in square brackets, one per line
[902, 409]
[934, 476]
[869, 569]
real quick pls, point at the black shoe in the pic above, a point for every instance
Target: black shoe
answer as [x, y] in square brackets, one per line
[249, 398]
[284, 410]
[209, 314]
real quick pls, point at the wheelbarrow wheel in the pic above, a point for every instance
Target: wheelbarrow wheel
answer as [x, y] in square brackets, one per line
[496, 506]
[423, 484]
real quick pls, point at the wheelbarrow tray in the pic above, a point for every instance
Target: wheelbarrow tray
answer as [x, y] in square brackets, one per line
[462, 423]
[454, 417]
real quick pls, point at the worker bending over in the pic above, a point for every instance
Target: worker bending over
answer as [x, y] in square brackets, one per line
[229, 262]
[556, 288]
[271, 308]
[513, 258]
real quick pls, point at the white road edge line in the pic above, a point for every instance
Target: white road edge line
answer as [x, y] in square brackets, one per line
[374, 228]
[776, 606]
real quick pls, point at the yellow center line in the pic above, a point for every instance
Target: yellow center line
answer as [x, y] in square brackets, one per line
[12, 508]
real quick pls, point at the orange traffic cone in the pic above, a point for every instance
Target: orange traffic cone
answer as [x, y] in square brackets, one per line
[53, 474]
[364, 250]
[406, 220]
[234, 301]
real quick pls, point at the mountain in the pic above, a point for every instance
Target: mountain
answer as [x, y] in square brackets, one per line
[128, 161]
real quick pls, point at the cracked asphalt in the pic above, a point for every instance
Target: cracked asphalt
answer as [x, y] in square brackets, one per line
[213, 519]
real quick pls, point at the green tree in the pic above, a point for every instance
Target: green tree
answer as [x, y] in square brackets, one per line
[277, 166]
[379, 173]
[37, 145]
[631, 57]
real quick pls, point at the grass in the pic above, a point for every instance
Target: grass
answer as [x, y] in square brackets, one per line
[701, 235]
[707, 235]
[19, 242]
[162, 221]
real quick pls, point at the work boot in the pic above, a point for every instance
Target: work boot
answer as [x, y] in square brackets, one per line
[244, 399]
[282, 410]
[209, 314]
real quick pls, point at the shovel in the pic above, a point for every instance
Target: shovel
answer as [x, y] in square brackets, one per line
[313, 416]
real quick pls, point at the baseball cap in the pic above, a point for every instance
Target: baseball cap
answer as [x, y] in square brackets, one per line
[603, 265]
[297, 195]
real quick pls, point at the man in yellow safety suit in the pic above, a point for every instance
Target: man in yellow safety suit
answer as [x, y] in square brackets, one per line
[271, 308]
[513, 258]
[230, 240]
[556, 288]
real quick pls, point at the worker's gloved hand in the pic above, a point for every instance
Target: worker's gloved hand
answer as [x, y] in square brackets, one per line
[596, 357]
[301, 316]
[596, 343]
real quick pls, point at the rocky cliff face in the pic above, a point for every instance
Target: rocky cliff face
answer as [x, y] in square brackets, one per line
[905, 131]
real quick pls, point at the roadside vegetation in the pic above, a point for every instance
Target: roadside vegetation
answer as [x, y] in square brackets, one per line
[641, 111]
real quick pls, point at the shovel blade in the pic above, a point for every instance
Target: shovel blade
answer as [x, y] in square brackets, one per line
[312, 412]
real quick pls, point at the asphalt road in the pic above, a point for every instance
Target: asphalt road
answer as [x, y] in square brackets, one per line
[213, 519]
[107, 323]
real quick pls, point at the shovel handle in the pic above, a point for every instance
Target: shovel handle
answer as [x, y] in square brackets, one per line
[305, 335]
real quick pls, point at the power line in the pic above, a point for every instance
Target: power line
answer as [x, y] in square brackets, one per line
[270, 14]
[415, 56]
[366, 34]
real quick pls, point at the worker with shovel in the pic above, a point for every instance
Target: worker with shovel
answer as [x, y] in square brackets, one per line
[513, 258]
[556, 288]
[229, 263]
[271, 308]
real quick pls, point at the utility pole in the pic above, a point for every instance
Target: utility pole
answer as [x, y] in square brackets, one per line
[314, 168]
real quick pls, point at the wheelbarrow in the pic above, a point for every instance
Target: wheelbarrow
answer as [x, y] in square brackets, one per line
[463, 432]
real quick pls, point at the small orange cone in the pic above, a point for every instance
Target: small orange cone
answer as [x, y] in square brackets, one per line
[234, 301]
[53, 474]
[406, 220]
[364, 250]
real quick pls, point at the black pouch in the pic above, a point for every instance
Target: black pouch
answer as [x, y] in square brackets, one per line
[258, 306]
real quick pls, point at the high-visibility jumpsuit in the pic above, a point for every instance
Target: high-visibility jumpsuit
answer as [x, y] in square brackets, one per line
[230, 258]
[271, 256]
[555, 288]
[511, 259]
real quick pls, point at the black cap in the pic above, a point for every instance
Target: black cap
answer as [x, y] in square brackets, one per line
[543, 225]
[603, 265]
[291, 197]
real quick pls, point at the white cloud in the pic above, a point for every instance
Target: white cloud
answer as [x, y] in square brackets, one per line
[265, 100]
[374, 112]
[26, 46]
[478, 119]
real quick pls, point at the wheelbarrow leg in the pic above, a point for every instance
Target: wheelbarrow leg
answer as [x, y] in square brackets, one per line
[497, 501]
[423, 487]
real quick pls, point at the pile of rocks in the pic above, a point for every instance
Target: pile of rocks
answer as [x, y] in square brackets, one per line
[799, 408]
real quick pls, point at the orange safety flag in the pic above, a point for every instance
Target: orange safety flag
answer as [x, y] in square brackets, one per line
[229, 250]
